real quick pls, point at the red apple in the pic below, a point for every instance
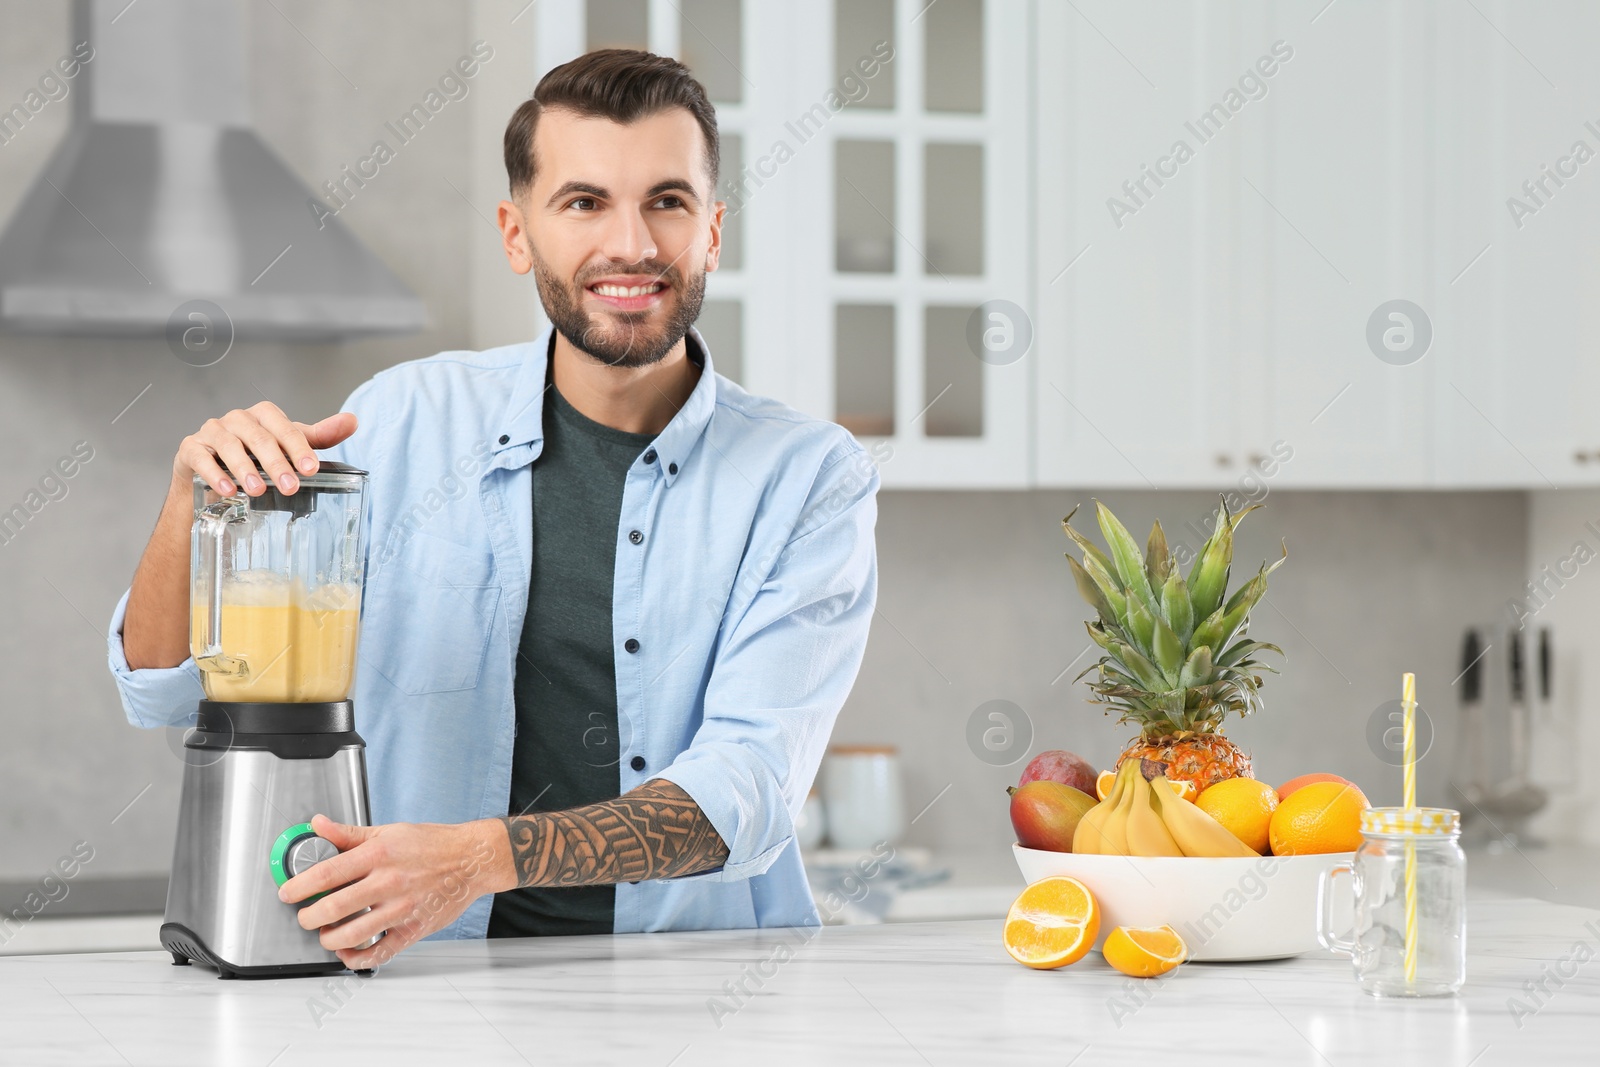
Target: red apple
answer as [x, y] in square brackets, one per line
[1045, 814]
[1059, 765]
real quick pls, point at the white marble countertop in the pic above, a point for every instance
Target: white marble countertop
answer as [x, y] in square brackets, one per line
[914, 993]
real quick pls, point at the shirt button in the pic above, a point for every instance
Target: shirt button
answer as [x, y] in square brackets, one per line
[635, 536]
[504, 438]
[637, 763]
[631, 644]
[650, 455]
[672, 468]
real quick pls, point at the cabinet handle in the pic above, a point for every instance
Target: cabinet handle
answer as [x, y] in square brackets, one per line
[1224, 460]
[1581, 456]
[1257, 459]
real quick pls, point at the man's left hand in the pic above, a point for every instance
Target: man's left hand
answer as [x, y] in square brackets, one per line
[416, 877]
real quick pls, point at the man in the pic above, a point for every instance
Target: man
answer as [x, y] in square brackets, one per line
[614, 602]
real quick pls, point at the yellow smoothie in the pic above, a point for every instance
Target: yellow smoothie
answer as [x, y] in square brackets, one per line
[296, 644]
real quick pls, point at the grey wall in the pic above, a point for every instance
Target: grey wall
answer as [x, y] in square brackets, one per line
[977, 604]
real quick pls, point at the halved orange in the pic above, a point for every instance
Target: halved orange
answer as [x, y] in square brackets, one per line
[1184, 788]
[1103, 784]
[1144, 951]
[1052, 923]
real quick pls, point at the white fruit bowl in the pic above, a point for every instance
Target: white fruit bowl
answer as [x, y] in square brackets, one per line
[1224, 909]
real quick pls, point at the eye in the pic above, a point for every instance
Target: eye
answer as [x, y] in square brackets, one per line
[583, 203]
[670, 201]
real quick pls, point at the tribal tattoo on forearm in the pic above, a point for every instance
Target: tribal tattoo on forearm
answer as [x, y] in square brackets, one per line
[656, 831]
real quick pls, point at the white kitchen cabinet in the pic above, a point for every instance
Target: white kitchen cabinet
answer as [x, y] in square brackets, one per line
[1517, 375]
[1214, 323]
[877, 168]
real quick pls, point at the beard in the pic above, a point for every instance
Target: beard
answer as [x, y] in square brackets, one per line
[621, 338]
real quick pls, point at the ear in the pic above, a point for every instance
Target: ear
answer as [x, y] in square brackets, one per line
[719, 211]
[514, 237]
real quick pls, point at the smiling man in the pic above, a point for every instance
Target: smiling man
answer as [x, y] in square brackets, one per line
[614, 602]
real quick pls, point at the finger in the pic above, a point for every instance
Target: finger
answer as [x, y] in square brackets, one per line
[246, 427]
[231, 452]
[331, 430]
[200, 460]
[343, 835]
[341, 904]
[363, 927]
[394, 942]
[333, 873]
[290, 439]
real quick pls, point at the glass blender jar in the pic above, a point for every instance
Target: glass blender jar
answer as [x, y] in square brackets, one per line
[276, 596]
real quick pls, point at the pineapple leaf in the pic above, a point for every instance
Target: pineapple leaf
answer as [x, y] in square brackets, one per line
[1125, 552]
[1177, 607]
[1239, 652]
[1109, 587]
[1196, 668]
[1234, 521]
[1141, 626]
[1157, 557]
[1090, 549]
[1143, 671]
[1208, 579]
[1091, 592]
[1168, 652]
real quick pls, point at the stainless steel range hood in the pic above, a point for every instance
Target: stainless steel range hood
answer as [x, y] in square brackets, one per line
[162, 193]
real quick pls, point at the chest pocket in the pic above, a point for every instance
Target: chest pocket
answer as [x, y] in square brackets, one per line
[428, 615]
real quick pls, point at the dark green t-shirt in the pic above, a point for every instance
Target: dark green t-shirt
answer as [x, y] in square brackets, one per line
[567, 748]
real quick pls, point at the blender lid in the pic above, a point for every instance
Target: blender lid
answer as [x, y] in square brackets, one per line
[302, 501]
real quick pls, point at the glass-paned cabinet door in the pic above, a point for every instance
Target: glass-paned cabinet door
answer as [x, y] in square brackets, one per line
[908, 235]
[876, 253]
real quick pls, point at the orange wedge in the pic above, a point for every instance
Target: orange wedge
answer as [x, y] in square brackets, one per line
[1052, 923]
[1102, 784]
[1144, 952]
[1184, 788]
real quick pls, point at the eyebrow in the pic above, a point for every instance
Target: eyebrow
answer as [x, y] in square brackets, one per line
[679, 185]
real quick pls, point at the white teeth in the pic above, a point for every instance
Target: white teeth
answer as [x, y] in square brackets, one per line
[623, 290]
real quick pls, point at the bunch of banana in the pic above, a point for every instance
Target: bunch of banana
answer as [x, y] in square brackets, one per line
[1147, 817]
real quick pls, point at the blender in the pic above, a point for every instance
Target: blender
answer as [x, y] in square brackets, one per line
[275, 609]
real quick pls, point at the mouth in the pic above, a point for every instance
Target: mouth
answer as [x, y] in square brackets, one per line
[629, 294]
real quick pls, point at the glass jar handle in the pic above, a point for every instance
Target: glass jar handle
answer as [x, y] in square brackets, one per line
[1344, 946]
[214, 520]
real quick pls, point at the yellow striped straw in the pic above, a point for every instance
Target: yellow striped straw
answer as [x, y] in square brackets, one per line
[1408, 701]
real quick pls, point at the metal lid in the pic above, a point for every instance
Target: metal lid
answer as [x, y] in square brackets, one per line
[331, 477]
[1411, 822]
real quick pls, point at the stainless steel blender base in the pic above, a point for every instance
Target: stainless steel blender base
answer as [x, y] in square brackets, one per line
[222, 902]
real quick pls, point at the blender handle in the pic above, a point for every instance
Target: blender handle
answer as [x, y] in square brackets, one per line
[1344, 946]
[214, 520]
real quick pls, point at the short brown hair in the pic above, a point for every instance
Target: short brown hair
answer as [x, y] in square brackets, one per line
[620, 84]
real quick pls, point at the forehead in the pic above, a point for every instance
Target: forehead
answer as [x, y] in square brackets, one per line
[632, 156]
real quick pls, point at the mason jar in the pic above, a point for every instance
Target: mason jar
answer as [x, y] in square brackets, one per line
[1428, 841]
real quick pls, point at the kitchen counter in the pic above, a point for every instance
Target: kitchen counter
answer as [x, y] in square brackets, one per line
[912, 993]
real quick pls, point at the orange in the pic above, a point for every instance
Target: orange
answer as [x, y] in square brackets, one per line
[1306, 779]
[1052, 923]
[1183, 787]
[1244, 806]
[1320, 817]
[1145, 952]
[1102, 784]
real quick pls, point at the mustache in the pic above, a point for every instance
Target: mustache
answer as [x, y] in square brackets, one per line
[659, 270]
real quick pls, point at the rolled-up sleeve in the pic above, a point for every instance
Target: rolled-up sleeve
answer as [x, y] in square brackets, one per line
[152, 696]
[783, 671]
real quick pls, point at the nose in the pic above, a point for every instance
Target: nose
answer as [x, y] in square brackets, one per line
[628, 238]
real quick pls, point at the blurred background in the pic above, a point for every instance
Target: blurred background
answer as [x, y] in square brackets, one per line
[1332, 257]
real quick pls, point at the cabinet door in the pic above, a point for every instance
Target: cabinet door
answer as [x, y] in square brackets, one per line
[1137, 310]
[1339, 183]
[908, 213]
[1521, 368]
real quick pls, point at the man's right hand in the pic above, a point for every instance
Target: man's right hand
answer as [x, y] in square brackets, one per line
[265, 432]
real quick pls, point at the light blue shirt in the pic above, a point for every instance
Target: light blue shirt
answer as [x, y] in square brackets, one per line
[750, 593]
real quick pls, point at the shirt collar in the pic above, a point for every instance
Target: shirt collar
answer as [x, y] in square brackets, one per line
[523, 420]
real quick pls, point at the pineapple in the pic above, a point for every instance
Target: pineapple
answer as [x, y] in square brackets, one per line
[1176, 660]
